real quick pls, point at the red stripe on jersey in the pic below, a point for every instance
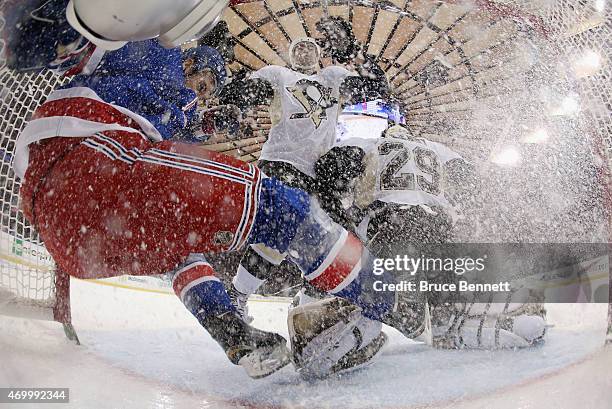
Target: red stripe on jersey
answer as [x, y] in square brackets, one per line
[189, 275]
[84, 108]
[341, 267]
[88, 52]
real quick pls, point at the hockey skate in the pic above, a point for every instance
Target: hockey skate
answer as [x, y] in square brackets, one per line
[259, 352]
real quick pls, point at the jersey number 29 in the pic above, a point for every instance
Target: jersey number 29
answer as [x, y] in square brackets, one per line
[426, 160]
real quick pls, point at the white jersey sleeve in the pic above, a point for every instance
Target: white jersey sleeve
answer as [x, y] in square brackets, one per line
[336, 74]
[445, 154]
[270, 73]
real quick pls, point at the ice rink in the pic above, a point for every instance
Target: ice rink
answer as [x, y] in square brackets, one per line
[144, 350]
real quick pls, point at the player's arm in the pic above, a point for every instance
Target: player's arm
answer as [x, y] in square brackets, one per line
[339, 42]
[241, 94]
[338, 167]
[462, 181]
[334, 173]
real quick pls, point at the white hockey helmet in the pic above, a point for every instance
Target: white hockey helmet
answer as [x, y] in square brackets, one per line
[304, 54]
[110, 24]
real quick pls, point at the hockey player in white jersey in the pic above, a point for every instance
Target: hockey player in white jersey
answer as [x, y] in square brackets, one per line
[405, 191]
[400, 186]
[305, 102]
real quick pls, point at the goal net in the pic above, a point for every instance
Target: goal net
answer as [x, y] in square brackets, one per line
[577, 30]
[584, 29]
[28, 282]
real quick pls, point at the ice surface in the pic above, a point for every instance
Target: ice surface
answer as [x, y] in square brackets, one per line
[144, 350]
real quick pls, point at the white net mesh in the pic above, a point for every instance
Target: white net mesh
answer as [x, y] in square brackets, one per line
[584, 29]
[26, 268]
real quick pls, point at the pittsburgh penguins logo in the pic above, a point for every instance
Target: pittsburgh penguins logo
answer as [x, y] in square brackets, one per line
[314, 98]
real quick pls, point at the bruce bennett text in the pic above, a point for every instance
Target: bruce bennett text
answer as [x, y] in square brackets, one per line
[426, 286]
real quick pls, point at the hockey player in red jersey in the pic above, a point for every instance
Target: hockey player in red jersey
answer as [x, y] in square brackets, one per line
[110, 196]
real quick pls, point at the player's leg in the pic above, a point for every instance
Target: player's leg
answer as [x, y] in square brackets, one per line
[288, 175]
[453, 325]
[332, 259]
[258, 260]
[487, 325]
[326, 195]
[395, 229]
[203, 294]
[117, 204]
[253, 271]
[102, 212]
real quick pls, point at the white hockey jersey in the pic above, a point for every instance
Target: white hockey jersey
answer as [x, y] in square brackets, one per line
[402, 171]
[304, 114]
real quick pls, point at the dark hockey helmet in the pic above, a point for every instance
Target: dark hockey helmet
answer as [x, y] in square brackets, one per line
[207, 58]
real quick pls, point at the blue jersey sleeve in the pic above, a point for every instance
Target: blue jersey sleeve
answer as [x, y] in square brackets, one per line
[147, 79]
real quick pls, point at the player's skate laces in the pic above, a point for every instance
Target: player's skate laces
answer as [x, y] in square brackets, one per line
[239, 301]
[259, 352]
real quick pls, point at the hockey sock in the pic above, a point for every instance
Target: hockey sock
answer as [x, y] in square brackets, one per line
[254, 268]
[201, 292]
[245, 282]
[346, 271]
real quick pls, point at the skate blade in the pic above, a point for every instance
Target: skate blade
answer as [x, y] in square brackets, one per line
[265, 361]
